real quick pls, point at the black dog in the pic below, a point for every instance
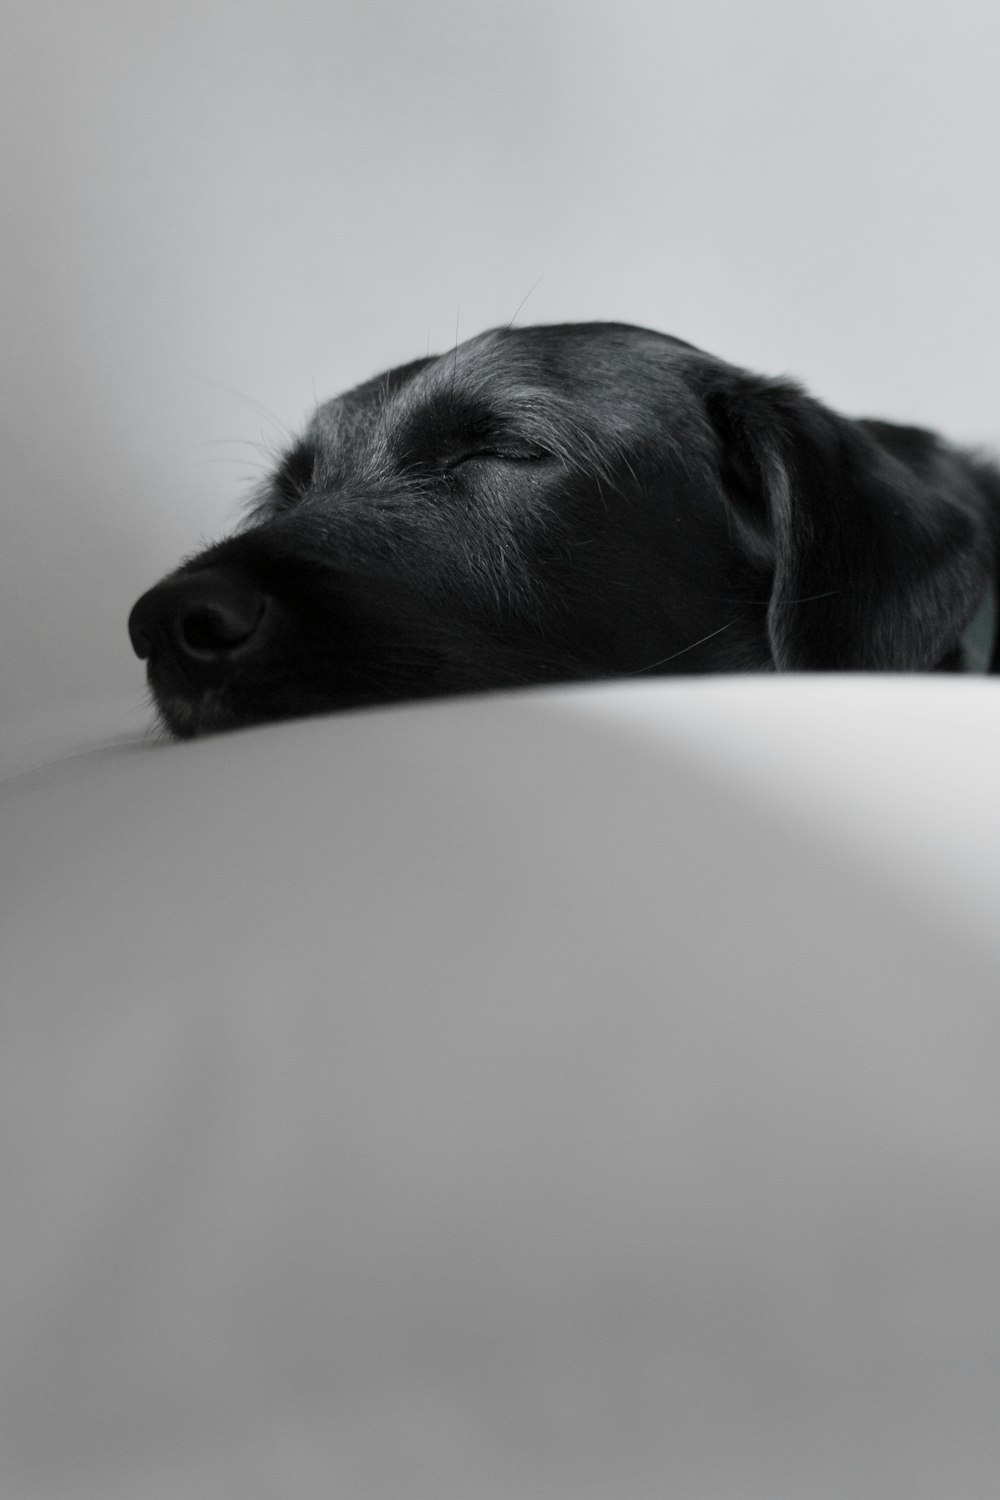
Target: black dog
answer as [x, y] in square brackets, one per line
[561, 503]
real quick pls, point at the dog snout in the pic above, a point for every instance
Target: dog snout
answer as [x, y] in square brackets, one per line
[201, 620]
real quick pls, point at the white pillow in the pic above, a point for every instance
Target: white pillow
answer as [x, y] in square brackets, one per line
[571, 1094]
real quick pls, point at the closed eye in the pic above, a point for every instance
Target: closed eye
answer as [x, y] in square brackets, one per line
[495, 455]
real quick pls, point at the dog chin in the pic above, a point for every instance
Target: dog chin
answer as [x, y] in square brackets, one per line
[188, 718]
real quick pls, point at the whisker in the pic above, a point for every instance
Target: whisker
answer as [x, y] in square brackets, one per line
[263, 447]
[454, 352]
[242, 396]
[232, 458]
[684, 649]
[524, 300]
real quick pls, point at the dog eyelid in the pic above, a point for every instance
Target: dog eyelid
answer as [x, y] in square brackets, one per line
[502, 455]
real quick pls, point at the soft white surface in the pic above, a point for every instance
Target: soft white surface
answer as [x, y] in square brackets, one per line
[569, 1095]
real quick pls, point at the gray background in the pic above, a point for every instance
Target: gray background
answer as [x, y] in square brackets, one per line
[215, 212]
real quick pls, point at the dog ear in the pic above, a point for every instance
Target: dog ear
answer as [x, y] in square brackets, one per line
[877, 563]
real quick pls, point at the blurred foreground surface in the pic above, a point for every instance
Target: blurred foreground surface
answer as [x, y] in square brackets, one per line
[572, 1094]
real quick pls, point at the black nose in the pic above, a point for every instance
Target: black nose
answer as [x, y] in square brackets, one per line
[200, 618]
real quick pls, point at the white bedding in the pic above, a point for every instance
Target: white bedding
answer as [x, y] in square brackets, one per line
[588, 1093]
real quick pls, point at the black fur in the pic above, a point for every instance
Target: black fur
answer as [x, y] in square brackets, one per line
[566, 503]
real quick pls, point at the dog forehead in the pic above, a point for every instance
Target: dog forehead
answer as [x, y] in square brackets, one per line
[577, 358]
[601, 368]
[605, 372]
[355, 414]
[486, 369]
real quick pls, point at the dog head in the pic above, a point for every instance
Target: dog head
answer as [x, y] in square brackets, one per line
[565, 503]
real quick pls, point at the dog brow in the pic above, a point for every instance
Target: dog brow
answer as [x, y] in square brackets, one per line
[487, 392]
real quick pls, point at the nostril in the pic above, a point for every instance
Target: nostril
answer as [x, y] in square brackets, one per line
[197, 619]
[218, 625]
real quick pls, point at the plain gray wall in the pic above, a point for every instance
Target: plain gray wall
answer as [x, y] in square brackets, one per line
[217, 210]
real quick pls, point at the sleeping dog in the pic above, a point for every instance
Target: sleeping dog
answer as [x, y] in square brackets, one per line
[557, 504]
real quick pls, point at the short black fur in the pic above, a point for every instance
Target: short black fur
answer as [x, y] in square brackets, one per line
[568, 503]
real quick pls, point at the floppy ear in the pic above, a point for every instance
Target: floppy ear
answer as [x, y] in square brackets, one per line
[878, 561]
